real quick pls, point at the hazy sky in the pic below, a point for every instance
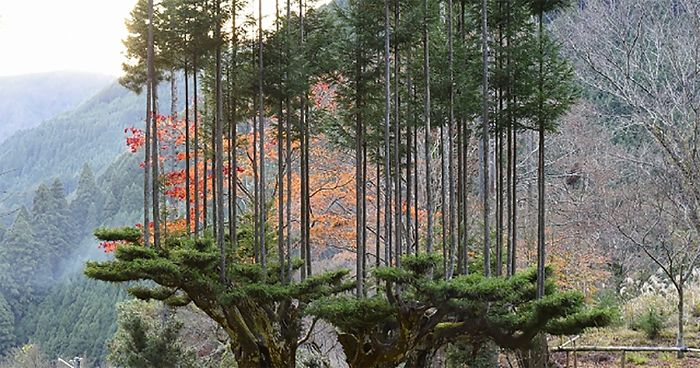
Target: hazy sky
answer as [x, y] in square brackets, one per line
[79, 35]
[48, 35]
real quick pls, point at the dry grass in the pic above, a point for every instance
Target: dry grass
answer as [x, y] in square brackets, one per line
[623, 336]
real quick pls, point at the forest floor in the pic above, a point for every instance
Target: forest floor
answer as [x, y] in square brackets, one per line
[622, 336]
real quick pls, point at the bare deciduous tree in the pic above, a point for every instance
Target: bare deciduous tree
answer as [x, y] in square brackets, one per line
[644, 55]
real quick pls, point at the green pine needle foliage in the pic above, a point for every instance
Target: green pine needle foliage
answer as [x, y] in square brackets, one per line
[253, 305]
[416, 311]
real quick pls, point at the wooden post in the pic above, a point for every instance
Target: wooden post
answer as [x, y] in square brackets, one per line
[567, 359]
[66, 363]
[575, 360]
[624, 358]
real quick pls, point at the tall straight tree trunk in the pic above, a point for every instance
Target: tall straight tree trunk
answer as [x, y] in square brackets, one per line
[233, 149]
[514, 198]
[461, 184]
[197, 213]
[509, 197]
[460, 199]
[256, 169]
[512, 163]
[155, 187]
[485, 137]
[409, 173]
[426, 72]
[497, 173]
[302, 167]
[364, 215]
[377, 186]
[465, 134]
[450, 135]
[388, 195]
[174, 117]
[214, 191]
[205, 178]
[412, 154]
[147, 169]
[280, 163]
[416, 228]
[232, 174]
[288, 158]
[443, 200]
[497, 152]
[540, 173]
[465, 199]
[173, 94]
[188, 192]
[307, 188]
[398, 236]
[503, 122]
[288, 143]
[219, 159]
[307, 147]
[228, 137]
[256, 185]
[359, 179]
[154, 130]
[263, 205]
[305, 210]
[302, 190]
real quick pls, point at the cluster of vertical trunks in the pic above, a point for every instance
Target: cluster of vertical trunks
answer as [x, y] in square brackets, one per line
[400, 179]
[216, 213]
[399, 186]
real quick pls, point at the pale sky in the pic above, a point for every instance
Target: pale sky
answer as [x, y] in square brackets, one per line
[77, 35]
[49, 35]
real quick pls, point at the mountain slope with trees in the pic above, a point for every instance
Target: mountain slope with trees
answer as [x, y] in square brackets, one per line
[91, 134]
[58, 309]
[28, 100]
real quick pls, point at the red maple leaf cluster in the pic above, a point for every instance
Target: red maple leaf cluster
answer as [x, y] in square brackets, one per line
[134, 139]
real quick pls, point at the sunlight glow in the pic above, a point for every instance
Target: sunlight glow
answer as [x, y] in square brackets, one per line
[78, 35]
[48, 35]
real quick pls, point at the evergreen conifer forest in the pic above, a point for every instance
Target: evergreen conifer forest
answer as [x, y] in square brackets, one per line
[364, 184]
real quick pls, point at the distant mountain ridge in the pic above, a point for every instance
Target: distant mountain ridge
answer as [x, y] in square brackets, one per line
[92, 133]
[28, 100]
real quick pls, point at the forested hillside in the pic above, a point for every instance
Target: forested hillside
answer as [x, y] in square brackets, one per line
[91, 134]
[50, 210]
[26, 101]
[367, 184]
[57, 307]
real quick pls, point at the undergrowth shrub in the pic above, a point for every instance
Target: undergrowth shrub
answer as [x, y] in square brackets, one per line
[652, 323]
